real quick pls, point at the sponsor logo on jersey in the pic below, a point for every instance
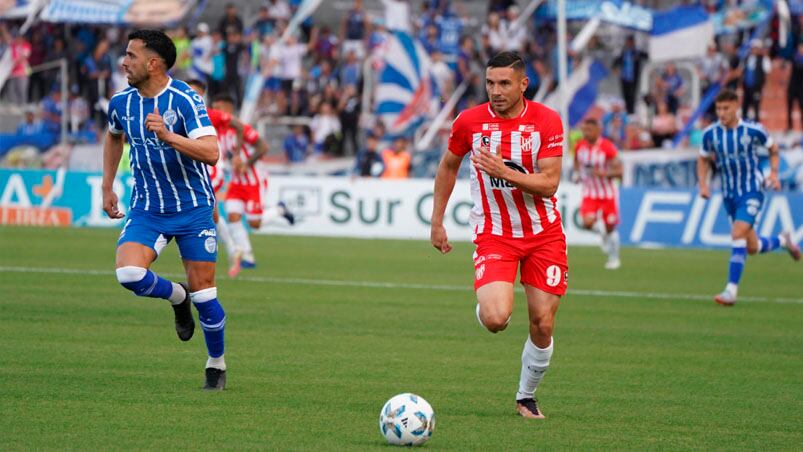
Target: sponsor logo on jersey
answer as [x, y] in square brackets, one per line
[502, 183]
[490, 126]
[208, 233]
[527, 128]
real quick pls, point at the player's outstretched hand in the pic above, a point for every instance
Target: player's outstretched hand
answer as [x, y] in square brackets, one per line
[439, 239]
[705, 192]
[154, 123]
[772, 182]
[488, 162]
[110, 205]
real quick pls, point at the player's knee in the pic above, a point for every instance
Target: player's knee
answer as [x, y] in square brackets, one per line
[752, 248]
[588, 224]
[543, 326]
[210, 312]
[133, 278]
[493, 321]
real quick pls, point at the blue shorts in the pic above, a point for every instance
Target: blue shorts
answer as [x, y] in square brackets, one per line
[194, 231]
[744, 208]
[273, 84]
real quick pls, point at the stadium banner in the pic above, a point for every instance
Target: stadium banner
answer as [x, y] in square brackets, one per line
[659, 168]
[376, 208]
[136, 12]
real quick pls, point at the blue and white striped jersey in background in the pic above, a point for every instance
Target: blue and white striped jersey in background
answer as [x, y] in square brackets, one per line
[165, 181]
[736, 156]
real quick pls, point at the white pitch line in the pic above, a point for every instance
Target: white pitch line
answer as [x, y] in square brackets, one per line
[392, 285]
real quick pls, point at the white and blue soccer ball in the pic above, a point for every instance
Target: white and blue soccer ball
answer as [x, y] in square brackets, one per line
[407, 420]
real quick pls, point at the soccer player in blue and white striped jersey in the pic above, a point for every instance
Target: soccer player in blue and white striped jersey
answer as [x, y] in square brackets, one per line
[732, 145]
[171, 143]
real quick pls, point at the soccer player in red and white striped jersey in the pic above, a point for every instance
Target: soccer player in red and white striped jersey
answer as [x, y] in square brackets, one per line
[221, 121]
[244, 196]
[596, 166]
[515, 148]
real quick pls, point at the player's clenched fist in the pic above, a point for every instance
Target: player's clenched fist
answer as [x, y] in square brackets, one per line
[110, 204]
[155, 123]
[439, 239]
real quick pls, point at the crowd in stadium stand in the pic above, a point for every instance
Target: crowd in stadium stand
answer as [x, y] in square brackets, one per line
[318, 72]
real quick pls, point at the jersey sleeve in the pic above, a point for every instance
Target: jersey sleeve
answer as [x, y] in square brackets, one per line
[610, 151]
[459, 143]
[115, 126]
[219, 119]
[192, 111]
[551, 137]
[763, 137]
[706, 147]
[250, 135]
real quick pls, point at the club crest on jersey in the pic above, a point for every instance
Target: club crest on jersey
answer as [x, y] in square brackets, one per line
[745, 140]
[485, 141]
[170, 117]
[210, 244]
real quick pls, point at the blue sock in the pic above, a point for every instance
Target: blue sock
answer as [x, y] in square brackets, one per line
[213, 319]
[144, 282]
[768, 244]
[738, 256]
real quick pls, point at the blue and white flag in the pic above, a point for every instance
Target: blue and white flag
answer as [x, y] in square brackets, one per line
[581, 89]
[406, 93]
[682, 32]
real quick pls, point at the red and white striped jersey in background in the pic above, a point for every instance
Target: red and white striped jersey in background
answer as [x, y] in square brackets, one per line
[499, 207]
[220, 121]
[596, 156]
[228, 144]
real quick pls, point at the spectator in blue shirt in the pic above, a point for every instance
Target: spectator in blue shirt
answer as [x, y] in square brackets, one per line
[296, 145]
[673, 86]
[30, 126]
[52, 111]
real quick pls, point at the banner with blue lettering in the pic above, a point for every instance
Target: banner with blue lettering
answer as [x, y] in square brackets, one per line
[376, 208]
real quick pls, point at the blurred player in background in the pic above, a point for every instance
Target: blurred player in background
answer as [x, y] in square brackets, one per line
[222, 122]
[596, 165]
[172, 141]
[732, 144]
[516, 148]
[244, 196]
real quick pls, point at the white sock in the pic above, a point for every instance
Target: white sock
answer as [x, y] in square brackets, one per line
[217, 363]
[240, 236]
[732, 288]
[782, 239]
[224, 234]
[613, 244]
[178, 295]
[270, 214]
[534, 363]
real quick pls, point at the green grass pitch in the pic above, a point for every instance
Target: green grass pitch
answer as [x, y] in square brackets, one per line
[325, 330]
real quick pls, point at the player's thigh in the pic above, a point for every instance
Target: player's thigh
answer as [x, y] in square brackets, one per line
[610, 213]
[541, 306]
[546, 267]
[196, 236]
[496, 301]
[141, 241]
[588, 212]
[200, 274]
[253, 207]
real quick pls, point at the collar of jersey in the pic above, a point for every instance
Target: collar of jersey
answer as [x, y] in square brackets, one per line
[169, 82]
[521, 115]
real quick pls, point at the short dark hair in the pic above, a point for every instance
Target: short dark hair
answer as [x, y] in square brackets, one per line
[507, 59]
[158, 42]
[727, 95]
[591, 122]
[197, 82]
[224, 97]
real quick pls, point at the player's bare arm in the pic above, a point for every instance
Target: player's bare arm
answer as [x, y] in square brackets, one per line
[203, 149]
[775, 160]
[544, 183]
[444, 184]
[112, 152]
[613, 170]
[703, 166]
[238, 127]
[261, 148]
